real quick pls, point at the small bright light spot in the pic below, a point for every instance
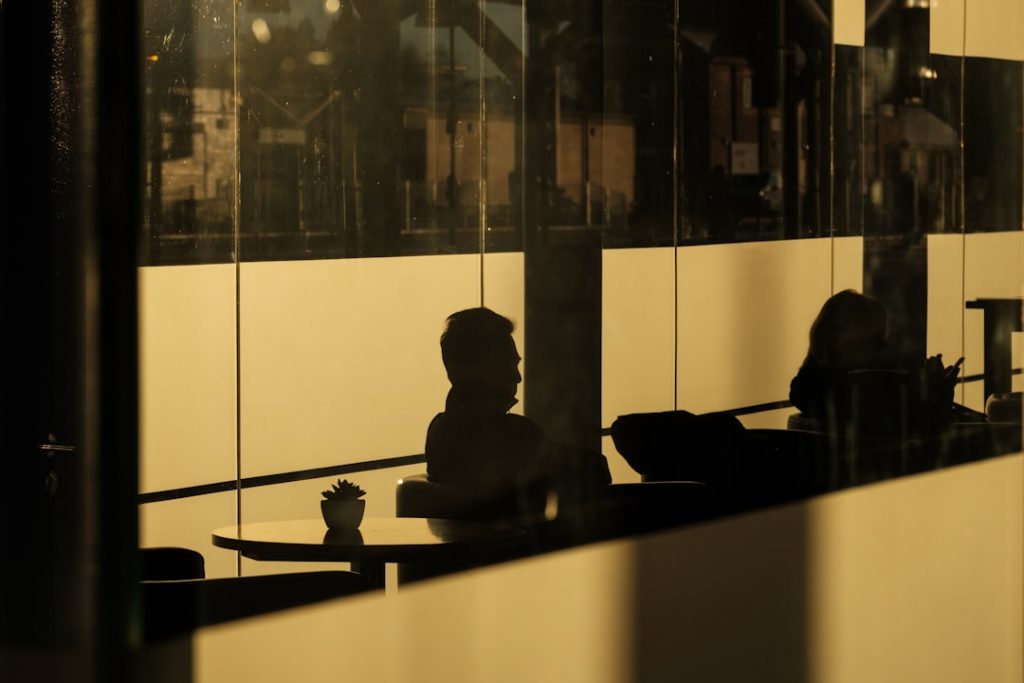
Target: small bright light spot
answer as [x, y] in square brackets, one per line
[551, 506]
[928, 73]
[153, 58]
[261, 31]
[319, 58]
[332, 6]
[877, 193]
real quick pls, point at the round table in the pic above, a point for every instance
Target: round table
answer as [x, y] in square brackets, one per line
[378, 540]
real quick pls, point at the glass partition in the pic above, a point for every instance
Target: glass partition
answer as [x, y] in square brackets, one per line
[660, 195]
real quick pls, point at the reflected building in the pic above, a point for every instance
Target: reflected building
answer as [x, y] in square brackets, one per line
[236, 228]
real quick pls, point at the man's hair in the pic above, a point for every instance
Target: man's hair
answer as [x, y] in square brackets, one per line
[471, 334]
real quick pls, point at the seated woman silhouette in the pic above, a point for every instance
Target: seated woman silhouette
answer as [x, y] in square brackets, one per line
[848, 366]
[476, 443]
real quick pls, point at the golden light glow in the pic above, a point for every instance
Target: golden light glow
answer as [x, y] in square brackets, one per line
[320, 58]
[261, 31]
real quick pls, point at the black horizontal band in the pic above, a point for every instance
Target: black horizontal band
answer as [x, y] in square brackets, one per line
[386, 463]
[777, 405]
[280, 478]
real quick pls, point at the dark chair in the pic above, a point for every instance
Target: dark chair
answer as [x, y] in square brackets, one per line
[804, 423]
[635, 508]
[1005, 407]
[171, 564]
[882, 404]
[417, 496]
[177, 598]
[173, 608]
[678, 445]
[623, 509]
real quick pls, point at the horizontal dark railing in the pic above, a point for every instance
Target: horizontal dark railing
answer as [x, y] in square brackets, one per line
[279, 478]
[745, 410]
[388, 463]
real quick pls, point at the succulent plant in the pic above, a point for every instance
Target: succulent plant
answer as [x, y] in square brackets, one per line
[344, 490]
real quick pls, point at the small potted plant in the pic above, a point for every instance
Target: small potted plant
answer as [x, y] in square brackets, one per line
[342, 507]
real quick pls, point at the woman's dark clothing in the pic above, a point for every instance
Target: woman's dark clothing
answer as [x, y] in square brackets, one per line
[476, 443]
[885, 399]
[818, 392]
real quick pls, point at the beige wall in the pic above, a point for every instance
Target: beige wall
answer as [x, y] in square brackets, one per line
[962, 269]
[848, 22]
[328, 379]
[744, 311]
[187, 375]
[986, 28]
[916, 579]
[340, 363]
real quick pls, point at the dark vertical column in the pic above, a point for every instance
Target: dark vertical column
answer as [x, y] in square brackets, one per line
[848, 142]
[380, 127]
[109, 215]
[70, 216]
[39, 368]
[563, 262]
[898, 214]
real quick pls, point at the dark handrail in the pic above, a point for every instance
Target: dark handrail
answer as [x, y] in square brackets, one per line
[387, 463]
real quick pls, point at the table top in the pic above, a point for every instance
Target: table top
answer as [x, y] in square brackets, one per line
[378, 539]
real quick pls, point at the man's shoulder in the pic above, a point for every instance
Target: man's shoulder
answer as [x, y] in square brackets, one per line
[508, 430]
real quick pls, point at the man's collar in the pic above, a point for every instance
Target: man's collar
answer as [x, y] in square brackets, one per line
[475, 397]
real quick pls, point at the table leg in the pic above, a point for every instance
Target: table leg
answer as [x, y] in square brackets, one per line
[999, 325]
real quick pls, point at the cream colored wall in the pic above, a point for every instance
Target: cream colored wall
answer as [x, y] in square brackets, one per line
[962, 268]
[921, 582]
[637, 331]
[989, 28]
[848, 22]
[340, 358]
[637, 340]
[505, 292]
[848, 263]
[308, 339]
[326, 378]
[994, 29]
[992, 268]
[744, 312]
[946, 27]
[186, 375]
[916, 579]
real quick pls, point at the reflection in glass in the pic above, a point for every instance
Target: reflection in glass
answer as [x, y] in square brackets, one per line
[190, 131]
[290, 130]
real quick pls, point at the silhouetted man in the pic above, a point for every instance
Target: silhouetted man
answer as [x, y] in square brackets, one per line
[476, 443]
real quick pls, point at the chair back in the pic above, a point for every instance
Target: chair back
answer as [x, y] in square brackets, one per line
[172, 608]
[1004, 407]
[417, 496]
[678, 445]
[881, 404]
[171, 564]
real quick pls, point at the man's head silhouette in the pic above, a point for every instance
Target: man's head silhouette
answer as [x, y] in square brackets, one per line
[478, 351]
